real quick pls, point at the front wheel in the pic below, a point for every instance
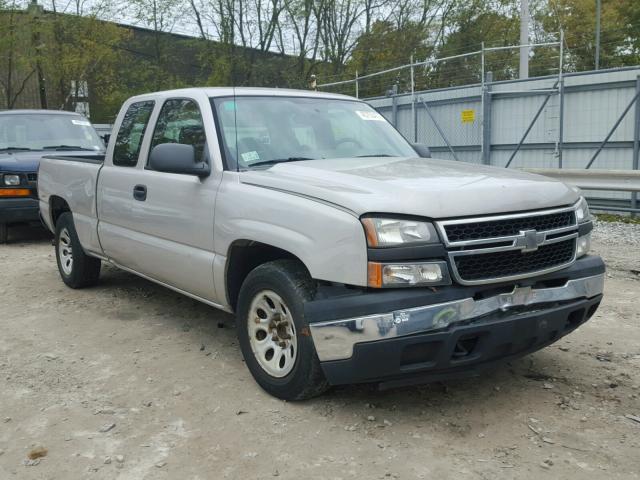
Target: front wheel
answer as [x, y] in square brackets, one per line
[76, 268]
[273, 334]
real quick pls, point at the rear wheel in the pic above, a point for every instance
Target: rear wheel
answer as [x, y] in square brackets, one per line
[4, 232]
[76, 268]
[273, 334]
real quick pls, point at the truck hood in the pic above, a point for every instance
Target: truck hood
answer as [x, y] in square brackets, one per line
[414, 186]
[30, 160]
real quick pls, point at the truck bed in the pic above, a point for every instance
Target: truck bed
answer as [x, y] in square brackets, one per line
[72, 179]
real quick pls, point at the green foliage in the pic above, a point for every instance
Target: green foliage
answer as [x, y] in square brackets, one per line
[497, 24]
[387, 45]
[78, 50]
[50, 56]
[17, 65]
[619, 37]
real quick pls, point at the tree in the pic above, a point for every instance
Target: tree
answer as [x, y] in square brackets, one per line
[79, 50]
[160, 16]
[338, 21]
[496, 23]
[16, 67]
[619, 31]
[629, 14]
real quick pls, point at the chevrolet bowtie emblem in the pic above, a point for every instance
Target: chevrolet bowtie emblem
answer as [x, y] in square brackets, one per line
[530, 240]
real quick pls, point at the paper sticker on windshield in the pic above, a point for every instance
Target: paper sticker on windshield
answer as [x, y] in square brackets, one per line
[370, 115]
[250, 156]
[83, 123]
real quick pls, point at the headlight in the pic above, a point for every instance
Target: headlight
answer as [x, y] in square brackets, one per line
[12, 180]
[582, 211]
[388, 232]
[408, 274]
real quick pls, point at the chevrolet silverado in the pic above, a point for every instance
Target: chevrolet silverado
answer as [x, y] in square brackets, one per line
[346, 253]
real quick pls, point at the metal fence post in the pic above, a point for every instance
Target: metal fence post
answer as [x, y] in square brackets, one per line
[357, 92]
[482, 100]
[636, 143]
[561, 99]
[413, 104]
[394, 105]
[486, 120]
[415, 122]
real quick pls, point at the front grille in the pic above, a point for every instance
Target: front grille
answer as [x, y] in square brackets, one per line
[460, 232]
[484, 266]
[32, 177]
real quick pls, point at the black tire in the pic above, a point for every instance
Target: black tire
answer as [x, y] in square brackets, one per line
[4, 233]
[83, 270]
[291, 281]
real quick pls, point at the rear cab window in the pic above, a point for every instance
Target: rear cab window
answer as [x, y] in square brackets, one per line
[131, 133]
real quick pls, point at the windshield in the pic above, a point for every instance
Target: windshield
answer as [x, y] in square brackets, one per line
[47, 132]
[261, 131]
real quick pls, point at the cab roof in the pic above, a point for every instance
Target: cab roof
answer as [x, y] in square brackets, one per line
[244, 91]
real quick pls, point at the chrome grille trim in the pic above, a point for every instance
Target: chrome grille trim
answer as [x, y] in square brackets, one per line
[458, 277]
[506, 243]
[441, 226]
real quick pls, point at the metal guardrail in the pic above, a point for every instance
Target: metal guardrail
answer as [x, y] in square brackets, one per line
[617, 180]
[609, 180]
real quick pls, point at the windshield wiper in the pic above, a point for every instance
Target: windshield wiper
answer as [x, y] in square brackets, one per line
[66, 147]
[375, 155]
[15, 149]
[280, 160]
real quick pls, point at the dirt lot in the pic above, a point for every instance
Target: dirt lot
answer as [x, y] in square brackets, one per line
[129, 380]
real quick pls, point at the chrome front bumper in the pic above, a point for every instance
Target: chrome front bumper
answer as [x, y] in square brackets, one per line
[335, 339]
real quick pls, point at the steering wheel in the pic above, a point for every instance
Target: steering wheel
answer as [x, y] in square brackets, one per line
[348, 140]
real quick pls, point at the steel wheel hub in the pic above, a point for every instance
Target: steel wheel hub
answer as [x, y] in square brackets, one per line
[272, 334]
[65, 252]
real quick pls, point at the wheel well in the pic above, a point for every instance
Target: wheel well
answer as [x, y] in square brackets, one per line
[244, 256]
[58, 206]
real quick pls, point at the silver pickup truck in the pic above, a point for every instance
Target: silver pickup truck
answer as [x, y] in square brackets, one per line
[346, 254]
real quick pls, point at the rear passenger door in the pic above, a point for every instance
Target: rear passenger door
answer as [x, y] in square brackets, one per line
[166, 231]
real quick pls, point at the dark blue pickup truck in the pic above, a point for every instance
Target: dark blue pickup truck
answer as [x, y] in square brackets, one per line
[25, 137]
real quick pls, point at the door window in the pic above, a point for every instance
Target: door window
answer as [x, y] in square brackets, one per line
[131, 133]
[180, 122]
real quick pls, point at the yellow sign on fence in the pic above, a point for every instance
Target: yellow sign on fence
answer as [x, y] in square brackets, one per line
[468, 116]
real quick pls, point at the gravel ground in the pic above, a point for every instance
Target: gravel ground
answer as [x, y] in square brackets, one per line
[129, 380]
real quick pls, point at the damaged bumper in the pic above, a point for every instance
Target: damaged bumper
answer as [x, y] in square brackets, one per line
[454, 331]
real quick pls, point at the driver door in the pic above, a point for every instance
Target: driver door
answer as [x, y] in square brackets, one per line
[169, 216]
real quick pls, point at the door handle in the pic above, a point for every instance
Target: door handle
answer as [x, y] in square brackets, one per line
[140, 192]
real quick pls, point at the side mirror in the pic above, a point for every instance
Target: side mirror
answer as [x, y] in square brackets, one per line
[177, 158]
[422, 150]
[105, 138]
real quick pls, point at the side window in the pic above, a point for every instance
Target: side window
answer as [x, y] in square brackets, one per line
[131, 133]
[180, 122]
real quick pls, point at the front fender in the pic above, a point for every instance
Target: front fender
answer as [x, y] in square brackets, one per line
[329, 241]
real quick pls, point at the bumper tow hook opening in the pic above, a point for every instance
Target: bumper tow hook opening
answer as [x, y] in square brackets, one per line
[464, 347]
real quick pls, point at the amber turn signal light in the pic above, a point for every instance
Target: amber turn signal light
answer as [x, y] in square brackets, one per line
[14, 192]
[370, 232]
[374, 274]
